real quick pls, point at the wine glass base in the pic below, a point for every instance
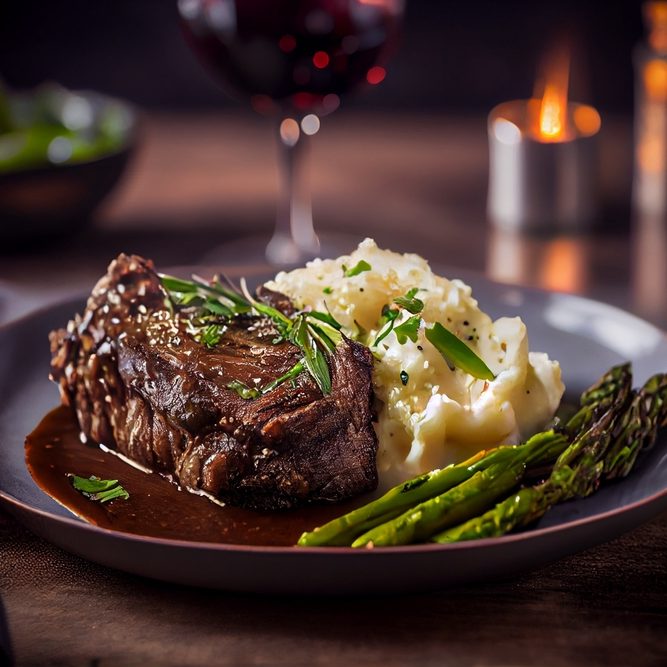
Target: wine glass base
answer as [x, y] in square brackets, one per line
[261, 253]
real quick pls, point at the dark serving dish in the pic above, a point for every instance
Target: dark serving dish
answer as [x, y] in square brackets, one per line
[54, 196]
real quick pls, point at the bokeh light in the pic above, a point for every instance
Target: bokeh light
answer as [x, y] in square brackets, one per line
[287, 43]
[321, 59]
[376, 75]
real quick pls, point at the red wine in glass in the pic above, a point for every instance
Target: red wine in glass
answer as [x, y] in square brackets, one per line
[293, 59]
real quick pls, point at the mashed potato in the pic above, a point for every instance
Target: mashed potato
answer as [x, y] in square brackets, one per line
[430, 415]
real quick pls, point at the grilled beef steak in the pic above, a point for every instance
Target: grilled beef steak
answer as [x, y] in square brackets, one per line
[141, 384]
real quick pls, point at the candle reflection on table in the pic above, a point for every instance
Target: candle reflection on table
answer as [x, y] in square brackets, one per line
[560, 263]
[649, 266]
[649, 234]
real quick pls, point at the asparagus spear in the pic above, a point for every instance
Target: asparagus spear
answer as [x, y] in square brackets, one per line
[597, 450]
[542, 448]
[459, 503]
[639, 429]
[611, 388]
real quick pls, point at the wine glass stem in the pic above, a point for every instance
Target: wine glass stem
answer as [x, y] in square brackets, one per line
[294, 239]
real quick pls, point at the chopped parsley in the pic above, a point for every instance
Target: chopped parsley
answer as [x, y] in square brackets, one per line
[409, 329]
[358, 268]
[210, 335]
[327, 290]
[101, 490]
[409, 302]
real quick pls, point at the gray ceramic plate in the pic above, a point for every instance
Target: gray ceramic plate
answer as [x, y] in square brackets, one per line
[586, 336]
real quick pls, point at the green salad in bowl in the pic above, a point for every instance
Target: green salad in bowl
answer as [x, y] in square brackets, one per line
[61, 153]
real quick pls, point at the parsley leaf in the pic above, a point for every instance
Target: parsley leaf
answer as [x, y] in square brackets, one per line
[101, 490]
[409, 329]
[358, 268]
[327, 290]
[409, 302]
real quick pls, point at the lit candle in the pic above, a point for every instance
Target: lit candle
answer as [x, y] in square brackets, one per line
[543, 160]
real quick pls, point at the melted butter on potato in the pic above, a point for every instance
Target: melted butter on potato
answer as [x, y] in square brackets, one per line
[439, 416]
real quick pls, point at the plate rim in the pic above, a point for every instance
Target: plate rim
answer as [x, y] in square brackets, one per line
[528, 535]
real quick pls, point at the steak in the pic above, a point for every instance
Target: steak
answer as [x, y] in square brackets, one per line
[141, 384]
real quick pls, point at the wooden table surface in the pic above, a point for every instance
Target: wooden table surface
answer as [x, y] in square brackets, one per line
[415, 183]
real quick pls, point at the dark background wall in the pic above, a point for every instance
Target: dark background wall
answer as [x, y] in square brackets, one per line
[455, 56]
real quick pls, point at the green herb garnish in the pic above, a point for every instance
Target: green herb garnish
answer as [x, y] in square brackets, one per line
[327, 290]
[409, 302]
[210, 335]
[313, 359]
[389, 315]
[210, 298]
[358, 268]
[291, 375]
[246, 392]
[409, 329]
[387, 319]
[456, 353]
[210, 306]
[101, 490]
[243, 390]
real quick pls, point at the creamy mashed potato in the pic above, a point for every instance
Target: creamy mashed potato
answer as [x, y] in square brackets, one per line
[430, 415]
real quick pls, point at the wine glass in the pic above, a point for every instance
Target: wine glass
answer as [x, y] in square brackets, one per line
[292, 59]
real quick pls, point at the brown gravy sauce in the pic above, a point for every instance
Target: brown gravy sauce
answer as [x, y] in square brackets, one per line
[156, 507]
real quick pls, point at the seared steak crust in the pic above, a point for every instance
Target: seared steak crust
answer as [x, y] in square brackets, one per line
[139, 383]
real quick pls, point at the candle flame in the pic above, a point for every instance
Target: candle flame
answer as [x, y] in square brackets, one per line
[552, 113]
[553, 120]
